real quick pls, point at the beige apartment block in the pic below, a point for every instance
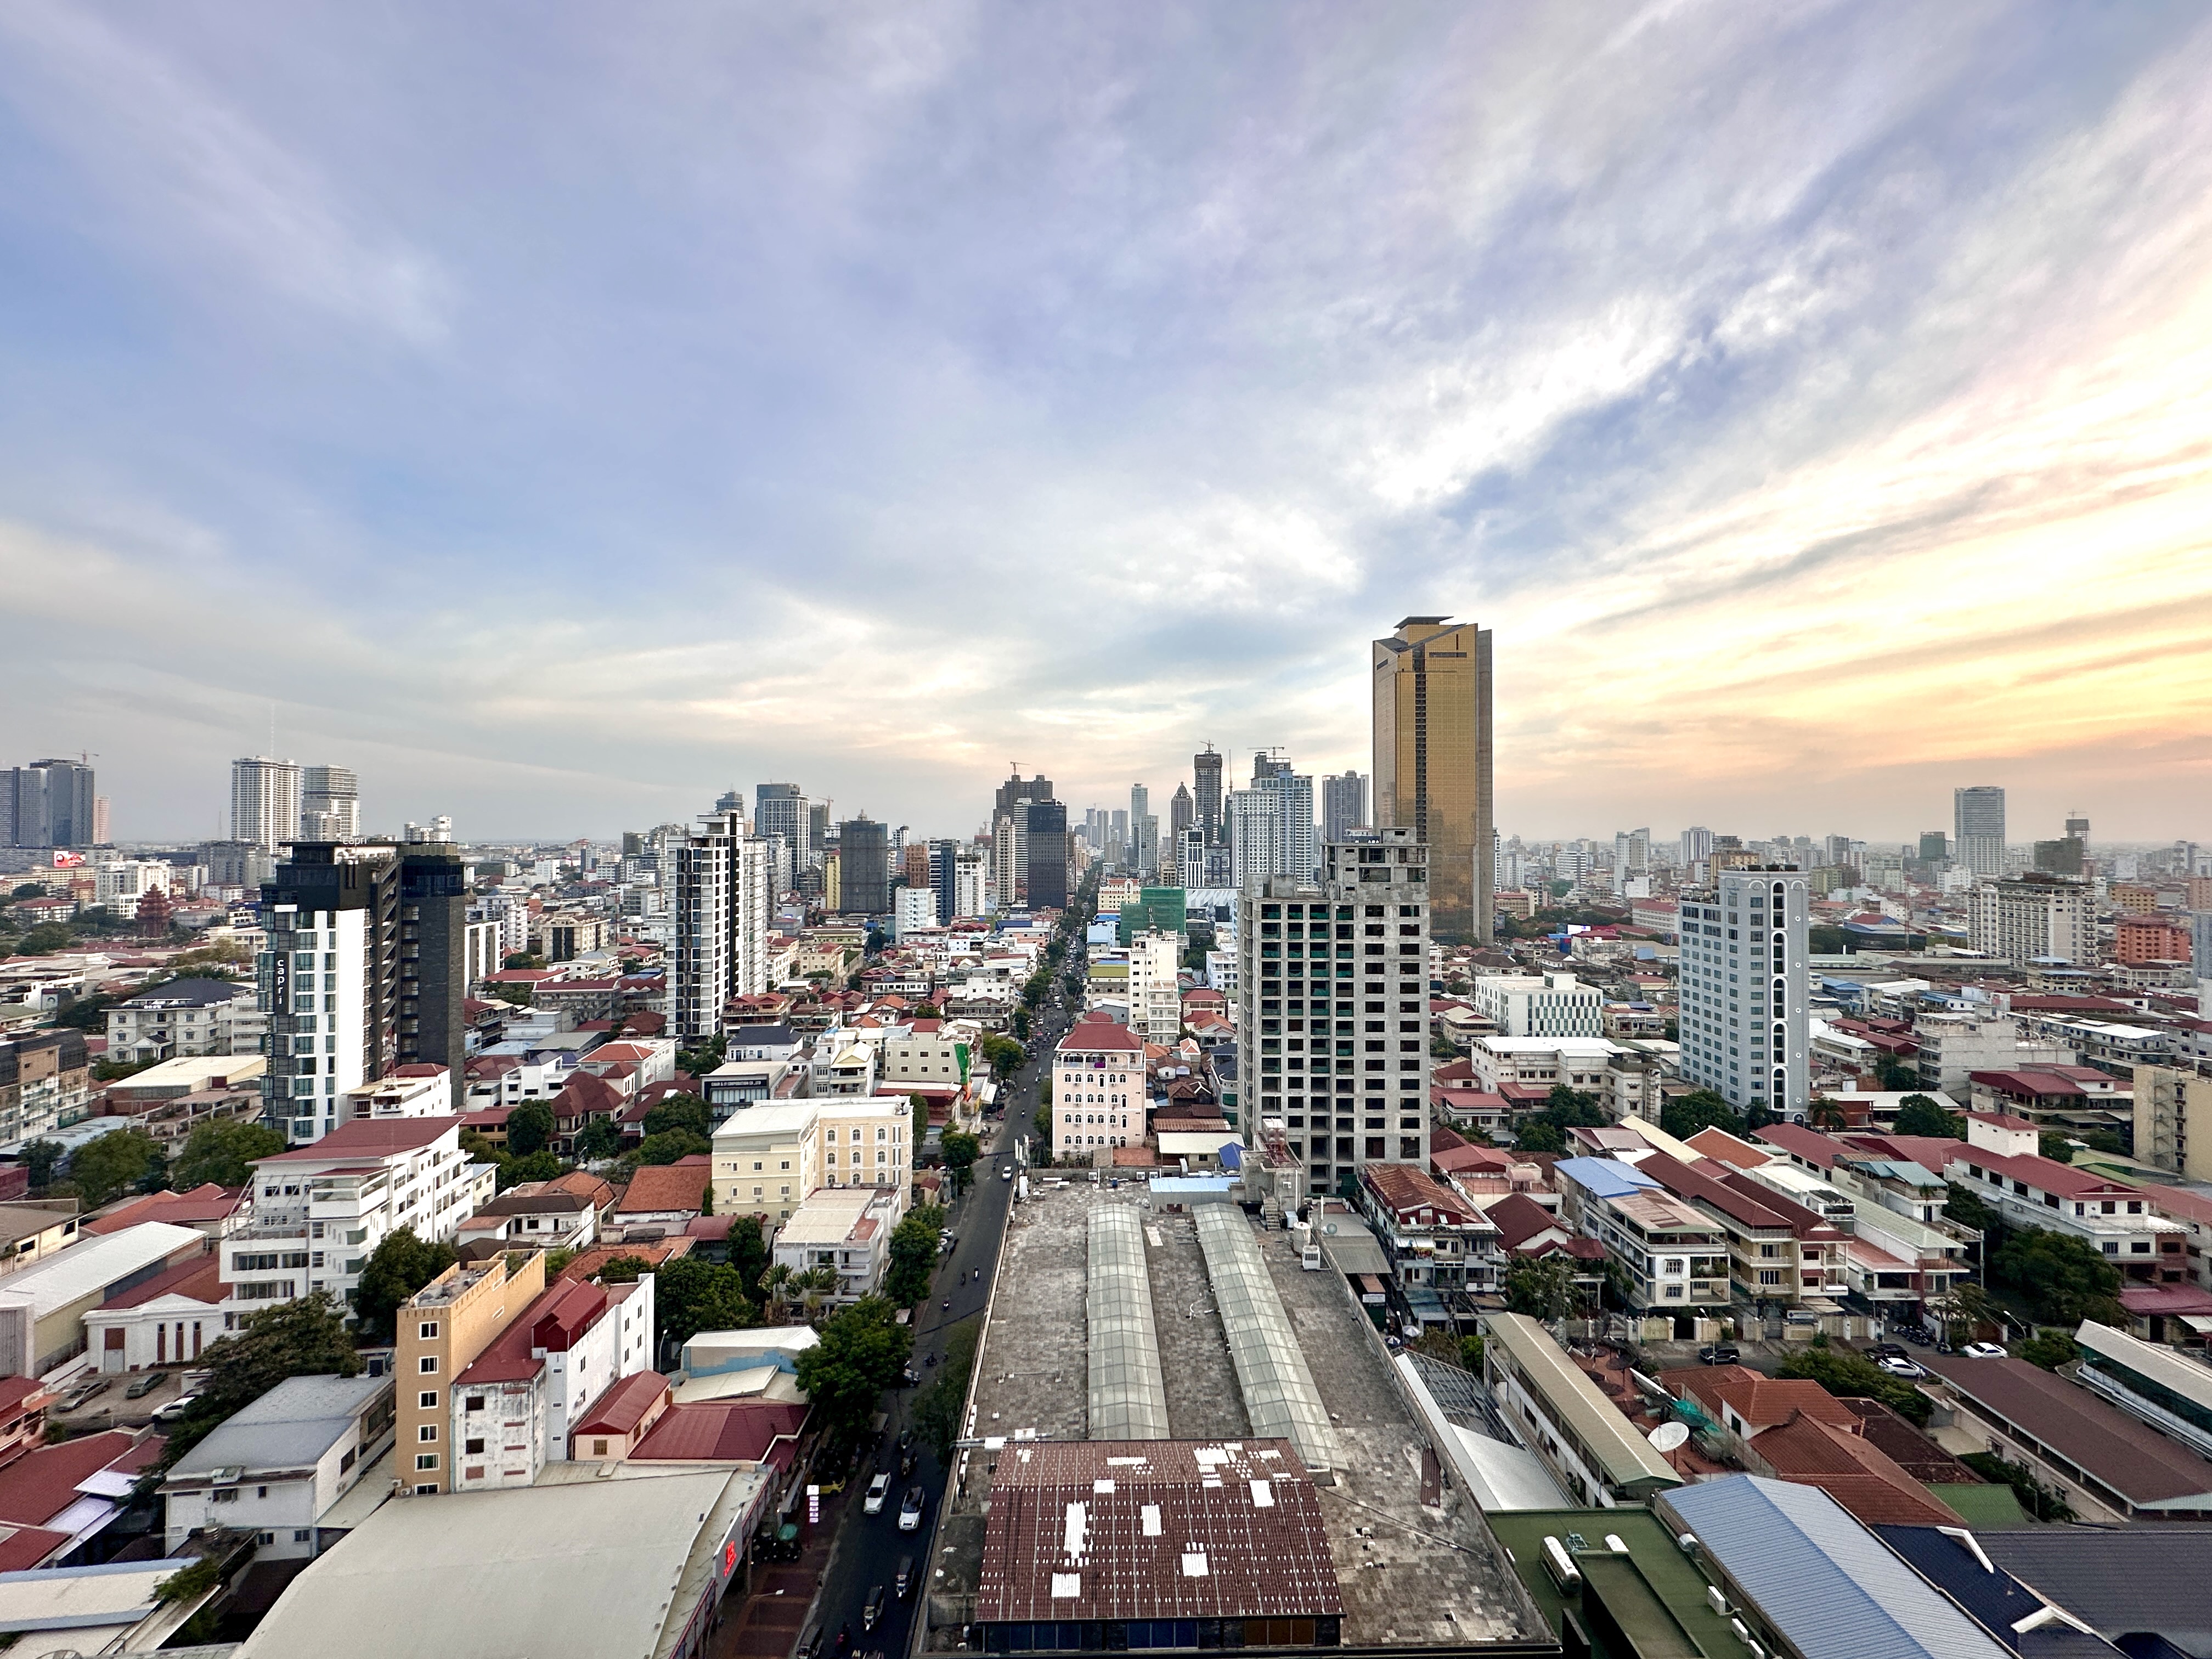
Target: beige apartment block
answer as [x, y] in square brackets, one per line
[442, 1328]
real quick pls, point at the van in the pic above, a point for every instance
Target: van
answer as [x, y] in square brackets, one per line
[904, 1581]
[809, 1644]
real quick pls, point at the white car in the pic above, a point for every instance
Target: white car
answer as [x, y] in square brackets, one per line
[878, 1490]
[1984, 1351]
[910, 1509]
[1909, 1370]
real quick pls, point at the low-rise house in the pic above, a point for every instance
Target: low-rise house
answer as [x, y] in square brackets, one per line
[2060, 1099]
[584, 1100]
[24, 1403]
[665, 1195]
[1746, 1404]
[320, 1211]
[46, 1083]
[34, 1228]
[2000, 1166]
[186, 1017]
[276, 1468]
[1671, 1259]
[767, 1159]
[1579, 1062]
[847, 1230]
[1780, 1252]
[621, 1418]
[214, 1210]
[1585, 1442]
[1436, 1235]
[533, 1215]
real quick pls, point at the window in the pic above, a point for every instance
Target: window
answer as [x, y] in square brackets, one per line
[427, 1330]
[429, 1364]
[427, 1399]
[303, 1534]
[426, 1491]
[476, 1402]
[476, 1448]
[427, 1433]
[426, 1461]
[223, 1495]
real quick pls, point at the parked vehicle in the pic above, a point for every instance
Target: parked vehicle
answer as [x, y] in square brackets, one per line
[1984, 1351]
[1721, 1354]
[143, 1385]
[176, 1408]
[879, 1489]
[1910, 1371]
[910, 1376]
[83, 1392]
[910, 1509]
[809, 1644]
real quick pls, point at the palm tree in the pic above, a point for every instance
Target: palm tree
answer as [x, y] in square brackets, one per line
[1826, 1113]
[818, 1285]
[775, 1289]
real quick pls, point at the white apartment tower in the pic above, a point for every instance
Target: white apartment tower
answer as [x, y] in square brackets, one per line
[1745, 1028]
[264, 801]
[2036, 918]
[1332, 995]
[329, 803]
[1978, 823]
[1155, 995]
[723, 895]
[971, 879]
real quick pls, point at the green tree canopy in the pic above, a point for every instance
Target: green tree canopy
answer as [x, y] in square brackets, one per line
[914, 1253]
[225, 1153]
[1919, 1115]
[748, 1252]
[39, 1157]
[625, 1270]
[44, 939]
[690, 1295]
[1966, 1207]
[1853, 1376]
[961, 1150]
[1542, 1289]
[2051, 1349]
[538, 1166]
[305, 1337]
[1002, 1054]
[860, 1353]
[529, 1128]
[671, 1145]
[118, 1162]
[1892, 1073]
[2066, 1279]
[2058, 1148]
[599, 1139]
[936, 1413]
[680, 1111]
[88, 1013]
[1700, 1109]
[397, 1268]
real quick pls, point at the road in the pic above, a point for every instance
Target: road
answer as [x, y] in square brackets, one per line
[870, 1546]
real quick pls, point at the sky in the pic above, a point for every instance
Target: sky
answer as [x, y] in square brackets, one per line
[561, 414]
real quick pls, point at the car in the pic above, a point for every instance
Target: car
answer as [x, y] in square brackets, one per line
[83, 1392]
[1006, 1173]
[144, 1385]
[1881, 1351]
[1984, 1351]
[878, 1490]
[871, 1610]
[176, 1408]
[1721, 1354]
[910, 1508]
[910, 1376]
[1910, 1371]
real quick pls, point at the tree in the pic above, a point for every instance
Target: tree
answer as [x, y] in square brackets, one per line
[1002, 1054]
[529, 1128]
[936, 1413]
[1542, 1289]
[88, 1014]
[1538, 1134]
[858, 1354]
[2049, 1349]
[2058, 1148]
[921, 1118]
[1966, 1207]
[39, 1157]
[1892, 1073]
[1020, 1024]
[624, 1270]
[397, 1268]
[599, 1139]
[1826, 1114]
[669, 1145]
[961, 1150]
[518, 961]
[122, 1158]
[681, 1112]
[748, 1251]
[1470, 1353]
[690, 1295]
[1700, 1109]
[1853, 1376]
[305, 1337]
[225, 1153]
[1918, 1115]
[44, 939]
[538, 1166]
[914, 1253]
[2066, 1281]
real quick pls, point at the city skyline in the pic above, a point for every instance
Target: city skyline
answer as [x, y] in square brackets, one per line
[1294, 335]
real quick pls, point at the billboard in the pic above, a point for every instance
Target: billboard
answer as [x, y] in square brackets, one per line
[67, 860]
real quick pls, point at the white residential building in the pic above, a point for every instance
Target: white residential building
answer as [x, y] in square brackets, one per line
[417, 1090]
[1954, 1045]
[2035, 918]
[971, 880]
[1579, 1062]
[1155, 993]
[1097, 1089]
[119, 884]
[187, 1018]
[1539, 1005]
[1746, 1031]
[722, 897]
[264, 801]
[274, 1469]
[847, 1230]
[938, 1051]
[484, 950]
[319, 1211]
[914, 909]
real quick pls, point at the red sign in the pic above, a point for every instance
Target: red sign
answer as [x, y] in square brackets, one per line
[68, 860]
[729, 1558]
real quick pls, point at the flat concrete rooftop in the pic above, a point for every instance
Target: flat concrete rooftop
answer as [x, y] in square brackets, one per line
[1417, 1566]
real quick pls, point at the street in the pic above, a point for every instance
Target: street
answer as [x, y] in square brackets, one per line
[867, 1549]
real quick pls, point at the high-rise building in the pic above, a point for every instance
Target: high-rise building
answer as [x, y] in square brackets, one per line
[1258, 835]
[1696, 843]
[1745, 1027]
[2077, 829]
[1335, 1015]
[1206, 791]
[1010, 864]
[329, 980]
[779, 809]
[1117, 835]
[101, 835]
[1048, 855]
[1978, 821]
[863, 869]
[818, 830]
[2038, 918]
[1017, 790]
[1144, 839]
[329, 803]
[971, 869]
[49, 802]
[433, 962]
[1432, 761]
[1182, 812]
[1343, 806]
[721, 896]
[264, 801]
[1935, 846]
[943, 857]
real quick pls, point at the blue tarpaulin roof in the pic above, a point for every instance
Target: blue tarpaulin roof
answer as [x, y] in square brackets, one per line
[1608, 1177]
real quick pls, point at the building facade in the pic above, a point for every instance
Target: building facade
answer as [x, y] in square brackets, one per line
[49, 802]
[722, 899]
[1432, 761]
[2036, 918]
[1977, 841]
[1744, 1013]
[264, 801]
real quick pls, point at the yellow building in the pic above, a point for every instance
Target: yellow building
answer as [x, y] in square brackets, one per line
[767, 1159]
[1433, 752]
[868, 1143]
[441, 1328]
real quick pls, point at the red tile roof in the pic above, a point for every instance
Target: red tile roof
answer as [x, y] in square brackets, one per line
[1857, 1474]
[507, 1357]
[2044, 1175]
[1761, 1401]
[1408, 1191]
[42, 1483]
[200, 1279]
[584, 1263]
[720, 1430]
[206, 1202]
[22, 1549]
[1095, 1034]
[624, 1406]
[678, 1186]
[371, 1137]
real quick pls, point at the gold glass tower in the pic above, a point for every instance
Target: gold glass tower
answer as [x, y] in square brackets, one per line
[1432, 761]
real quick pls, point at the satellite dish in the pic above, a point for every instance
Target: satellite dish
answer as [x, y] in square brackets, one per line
[1669, 1436]
[1329, 1227]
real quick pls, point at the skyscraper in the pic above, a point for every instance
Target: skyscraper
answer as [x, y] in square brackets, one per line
[1181, 812]
[1432, 761]
[779, 809]
[1343, 805]
[329, 975]
[1696, 843]
[1978, 818]
[1205, 793]
[49, 802]
[329, 803]
[1048, 855]
[864, 868]
[264, 801]
[720, 896]
[433, 959]
[1746, 1025]
[1144, 832]
[1018, 789]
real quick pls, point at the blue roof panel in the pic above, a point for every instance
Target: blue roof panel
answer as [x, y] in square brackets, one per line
[1608, 1177]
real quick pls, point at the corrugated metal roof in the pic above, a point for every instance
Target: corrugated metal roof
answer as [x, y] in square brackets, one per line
[1606, 1176]
[1821, 1581]
[1279, 1395]
[1622, 1455]
[1128, 1393]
